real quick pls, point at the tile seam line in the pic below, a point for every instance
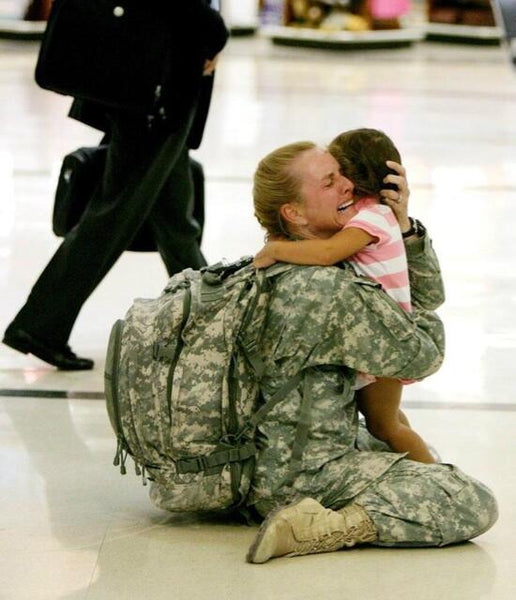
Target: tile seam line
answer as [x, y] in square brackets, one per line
[95, 395]
[64, 394]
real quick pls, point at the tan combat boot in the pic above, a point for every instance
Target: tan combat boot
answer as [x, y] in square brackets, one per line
[306, 527]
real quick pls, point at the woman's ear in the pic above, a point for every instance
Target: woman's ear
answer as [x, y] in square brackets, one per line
[293, 213]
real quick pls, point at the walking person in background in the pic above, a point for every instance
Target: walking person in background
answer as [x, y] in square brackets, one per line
[147, 178]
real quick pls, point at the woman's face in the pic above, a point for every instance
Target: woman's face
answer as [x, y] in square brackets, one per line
[326, 193]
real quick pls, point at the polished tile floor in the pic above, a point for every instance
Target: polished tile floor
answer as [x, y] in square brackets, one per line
[72, 528]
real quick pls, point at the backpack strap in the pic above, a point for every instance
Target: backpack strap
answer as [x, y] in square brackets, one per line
[215, 459]
[162, 350]
[275, 399]
[237, 453]
[250, 350]
[301, 436]
[212, 279]
[215, 274]
[249, 346]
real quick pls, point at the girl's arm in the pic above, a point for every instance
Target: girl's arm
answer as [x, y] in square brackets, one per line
[323, 252]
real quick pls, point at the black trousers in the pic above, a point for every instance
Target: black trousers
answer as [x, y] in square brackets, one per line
[147, 178]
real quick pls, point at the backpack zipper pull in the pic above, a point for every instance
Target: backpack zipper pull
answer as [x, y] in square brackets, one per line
[116, 460]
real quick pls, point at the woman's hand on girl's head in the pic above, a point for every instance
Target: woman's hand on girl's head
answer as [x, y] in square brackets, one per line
[398, 199]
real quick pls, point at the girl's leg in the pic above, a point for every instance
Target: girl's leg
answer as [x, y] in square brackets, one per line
[403, 418]
[379, 402]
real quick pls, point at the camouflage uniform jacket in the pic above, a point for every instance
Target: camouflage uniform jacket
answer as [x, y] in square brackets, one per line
[331, 323]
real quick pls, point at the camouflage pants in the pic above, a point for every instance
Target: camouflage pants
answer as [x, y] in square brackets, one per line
[416, 504]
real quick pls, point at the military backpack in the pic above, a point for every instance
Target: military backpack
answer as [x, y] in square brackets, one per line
[182, 386]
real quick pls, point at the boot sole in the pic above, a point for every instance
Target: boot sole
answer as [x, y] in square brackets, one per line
[255, 546]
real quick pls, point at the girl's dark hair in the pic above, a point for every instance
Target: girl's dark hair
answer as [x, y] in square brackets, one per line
[361, 154]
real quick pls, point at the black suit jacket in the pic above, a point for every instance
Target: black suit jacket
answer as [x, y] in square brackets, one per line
[201, 34]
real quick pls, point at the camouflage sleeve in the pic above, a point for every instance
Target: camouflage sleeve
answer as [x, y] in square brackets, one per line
[369, 332]
[426, 284]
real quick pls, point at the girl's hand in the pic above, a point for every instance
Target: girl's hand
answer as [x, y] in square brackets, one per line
[265, 257]
[398, 199]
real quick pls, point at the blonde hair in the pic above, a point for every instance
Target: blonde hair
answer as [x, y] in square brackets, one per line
[275, 184]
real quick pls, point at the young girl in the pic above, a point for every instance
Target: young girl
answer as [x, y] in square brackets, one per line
[372, 242]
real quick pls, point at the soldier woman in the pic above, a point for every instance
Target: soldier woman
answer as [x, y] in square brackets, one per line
[321, 482]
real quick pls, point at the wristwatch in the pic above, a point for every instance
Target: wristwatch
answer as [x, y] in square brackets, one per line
[416, 228]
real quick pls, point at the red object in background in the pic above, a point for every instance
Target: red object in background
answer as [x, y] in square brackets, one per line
[388, 9]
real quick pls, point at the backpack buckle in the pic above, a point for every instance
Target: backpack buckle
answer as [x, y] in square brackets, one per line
[161, 350]
[195, 464]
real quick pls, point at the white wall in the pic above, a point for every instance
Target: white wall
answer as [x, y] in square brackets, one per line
[240, 13]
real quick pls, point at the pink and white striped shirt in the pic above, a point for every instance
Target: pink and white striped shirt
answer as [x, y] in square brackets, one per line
[385, 261]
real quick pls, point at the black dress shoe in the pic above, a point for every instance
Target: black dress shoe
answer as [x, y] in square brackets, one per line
[61, 357]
